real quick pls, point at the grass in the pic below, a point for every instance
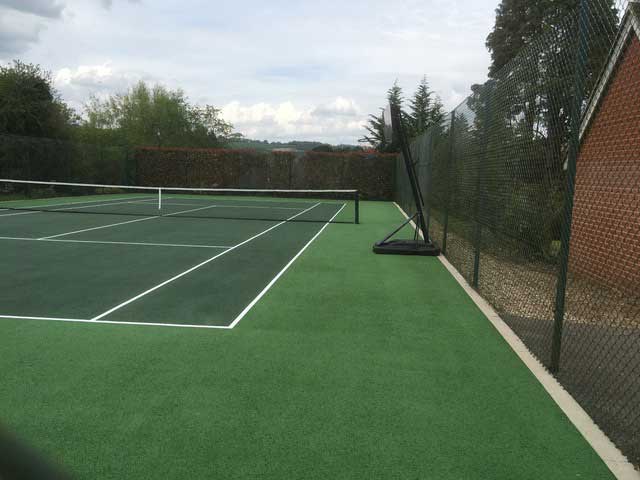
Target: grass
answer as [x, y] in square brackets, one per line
[352, 366]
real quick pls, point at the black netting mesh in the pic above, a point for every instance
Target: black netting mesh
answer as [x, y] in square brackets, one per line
[561, 267]
[35, 158]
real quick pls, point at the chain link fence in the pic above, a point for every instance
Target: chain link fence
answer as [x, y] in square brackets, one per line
[532, 191]
[35, 158]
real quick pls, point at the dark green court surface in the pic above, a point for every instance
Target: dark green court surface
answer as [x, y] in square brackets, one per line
[351, 366]
[203, 262]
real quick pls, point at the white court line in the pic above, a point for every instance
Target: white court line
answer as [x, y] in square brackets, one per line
[30, 212]
[84, 320]
[34, 207]
[100, 205]
[225, 205]
[22, 317]
[115, 243]
[104, 205]
[97, 228]
[608, 452]
[121, 223]
[195, 267]
[281, 272]
[78, 203]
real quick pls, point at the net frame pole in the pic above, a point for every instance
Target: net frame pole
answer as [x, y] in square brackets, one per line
[160, 200]
[356, 199]
[396, 118]
[417, 246]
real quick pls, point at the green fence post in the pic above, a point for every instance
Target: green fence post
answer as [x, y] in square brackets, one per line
[429, 168]
[572, 157]
[482, 160]
[450, 160]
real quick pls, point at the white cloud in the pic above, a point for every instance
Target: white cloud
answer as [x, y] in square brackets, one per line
[281, 114]
[41, 8]
[339, 106]
[84, 75]
[17, 34]
[78, 84]
[293, 80]
[338, 121]
[109, 3]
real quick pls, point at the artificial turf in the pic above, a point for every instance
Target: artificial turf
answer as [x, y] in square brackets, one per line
[352, 366]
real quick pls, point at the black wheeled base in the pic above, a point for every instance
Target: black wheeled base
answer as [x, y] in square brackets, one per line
[406, 247]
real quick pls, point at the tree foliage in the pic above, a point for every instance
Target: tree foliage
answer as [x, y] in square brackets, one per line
[520, 22]
[375, 126]
[521, 116]
[29, 104]
[375, 132]
[155, 116]
[426, 109]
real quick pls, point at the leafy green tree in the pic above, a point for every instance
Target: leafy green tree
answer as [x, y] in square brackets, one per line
[437, 113]
[522, 126]
[347, 148]
[325, 147]
[395, 97]
[29, 104]
[520, 22]
[425, 110]
[420, 106]
[533, 46]
[156, 116]
[376, 124]
[375, 132]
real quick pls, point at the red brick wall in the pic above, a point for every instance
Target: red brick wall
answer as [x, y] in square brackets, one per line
[605, 239]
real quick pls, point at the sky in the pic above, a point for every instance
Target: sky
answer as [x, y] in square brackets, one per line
[279, 70]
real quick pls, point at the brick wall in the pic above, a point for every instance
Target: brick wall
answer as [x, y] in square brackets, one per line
[371, 174]
[605, 238]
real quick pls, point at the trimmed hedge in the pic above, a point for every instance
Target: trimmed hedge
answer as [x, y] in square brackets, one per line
[370, 173]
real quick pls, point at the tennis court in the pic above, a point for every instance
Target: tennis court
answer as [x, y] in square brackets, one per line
[147, 255]
[347, 364]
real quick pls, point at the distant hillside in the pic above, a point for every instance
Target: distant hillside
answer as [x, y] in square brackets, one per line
[300, 146]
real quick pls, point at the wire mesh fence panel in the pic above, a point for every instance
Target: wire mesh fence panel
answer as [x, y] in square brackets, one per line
[533, 193]
[35, 158]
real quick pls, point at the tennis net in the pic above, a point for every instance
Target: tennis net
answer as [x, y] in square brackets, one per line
[337, 206]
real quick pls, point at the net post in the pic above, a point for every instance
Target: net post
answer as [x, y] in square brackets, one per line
[160, 200]
[356, 199]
